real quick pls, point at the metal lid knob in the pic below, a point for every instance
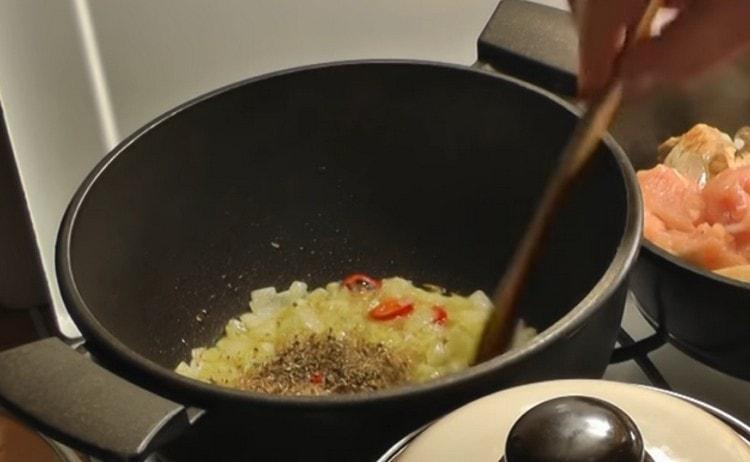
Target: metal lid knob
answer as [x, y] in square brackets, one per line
[575, 429]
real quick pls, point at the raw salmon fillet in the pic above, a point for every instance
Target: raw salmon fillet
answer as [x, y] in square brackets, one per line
[697, 204]
[727, 199]
[671, 198]
[675, 220]
[709, 246]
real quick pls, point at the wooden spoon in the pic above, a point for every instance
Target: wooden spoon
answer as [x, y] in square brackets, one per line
[498, 332]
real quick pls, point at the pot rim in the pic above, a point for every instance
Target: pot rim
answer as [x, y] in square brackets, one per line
[178, 385]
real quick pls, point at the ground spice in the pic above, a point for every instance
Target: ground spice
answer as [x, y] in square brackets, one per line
[325, 364]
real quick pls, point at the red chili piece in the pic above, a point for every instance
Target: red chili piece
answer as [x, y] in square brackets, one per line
[361, 282]
[390, 309]
[317, 378]
[439, 315]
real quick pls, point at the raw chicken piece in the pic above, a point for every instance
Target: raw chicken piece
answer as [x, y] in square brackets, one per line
[742, 143]
[709, 246]
[666, 147]
[727, 200]
[706, 246]
[671, 198]
[697, 204]
[700, 154]
[674, 220]
[655, 231]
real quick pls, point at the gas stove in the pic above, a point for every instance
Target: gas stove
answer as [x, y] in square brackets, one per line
[669, 368]
[78, 76]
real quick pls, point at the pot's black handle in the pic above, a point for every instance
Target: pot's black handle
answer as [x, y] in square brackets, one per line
[84, 405]
[532, 42]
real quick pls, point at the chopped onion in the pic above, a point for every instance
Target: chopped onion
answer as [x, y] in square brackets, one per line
[277, 318]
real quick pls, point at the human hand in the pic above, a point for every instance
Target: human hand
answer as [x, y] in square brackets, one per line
[703, 34]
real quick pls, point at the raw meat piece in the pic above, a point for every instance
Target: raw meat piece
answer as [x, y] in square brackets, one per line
[727, 200]
[700, 154]
[709, 246]
[675, 220]
[670, 197]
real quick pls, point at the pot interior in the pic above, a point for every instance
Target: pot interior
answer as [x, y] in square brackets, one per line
[424, 171]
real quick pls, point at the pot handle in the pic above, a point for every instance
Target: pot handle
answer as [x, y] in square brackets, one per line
[84, 405]
[532, 42]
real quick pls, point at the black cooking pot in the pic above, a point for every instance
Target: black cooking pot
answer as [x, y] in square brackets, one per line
[425, 170]
[702, 313]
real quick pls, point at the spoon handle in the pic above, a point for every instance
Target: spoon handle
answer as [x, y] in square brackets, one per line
[498, 331]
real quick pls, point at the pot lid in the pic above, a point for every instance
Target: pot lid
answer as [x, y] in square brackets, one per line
[672, 429]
